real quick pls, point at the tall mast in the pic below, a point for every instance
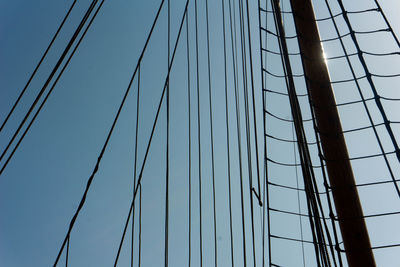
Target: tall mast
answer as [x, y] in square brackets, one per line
[349, 212]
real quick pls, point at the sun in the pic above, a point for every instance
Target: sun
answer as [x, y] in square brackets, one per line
[324, 56]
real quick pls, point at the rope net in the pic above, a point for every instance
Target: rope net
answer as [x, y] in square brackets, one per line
[362, 77]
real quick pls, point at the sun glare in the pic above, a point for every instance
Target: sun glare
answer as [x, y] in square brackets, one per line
[324, 56]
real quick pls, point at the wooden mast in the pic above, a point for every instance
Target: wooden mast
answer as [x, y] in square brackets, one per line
[349, 212]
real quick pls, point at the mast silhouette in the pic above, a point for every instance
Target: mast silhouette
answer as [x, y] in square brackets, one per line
[350, 215]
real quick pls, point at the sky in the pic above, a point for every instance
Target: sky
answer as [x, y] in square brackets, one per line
[43, 183]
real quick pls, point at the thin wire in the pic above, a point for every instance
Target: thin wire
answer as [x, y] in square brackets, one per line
[377, 183]
[267, 195]
[156, 117]
[264, 130]
[283, 94]
[89, 182]
[135, 161]
[189, 143]
[253, 99]
[37, 66]
[285, 120]
[278, 53]
[337, 57]
[379, 9]
[287, 140]
[211, 138]
[247, 121]
[60, 60]
[297, 240]
[297, 214]
[325, 18]
[67, 254]
[282, 76]
[281, 163]
[227, 136]
[167, 149]
[123, 233]
[140, 226]
[198, 131]
[322, 40]
[235, 66]
[298, 198]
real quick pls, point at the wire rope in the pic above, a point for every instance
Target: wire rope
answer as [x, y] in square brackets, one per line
[38, 65]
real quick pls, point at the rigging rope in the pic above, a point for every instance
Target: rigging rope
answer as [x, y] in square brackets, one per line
[227, 136]
[38, 65]
[198, 133]
[89, 182]
[53, 72]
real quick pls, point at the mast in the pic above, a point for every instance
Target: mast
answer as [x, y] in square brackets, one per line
[348, 207]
